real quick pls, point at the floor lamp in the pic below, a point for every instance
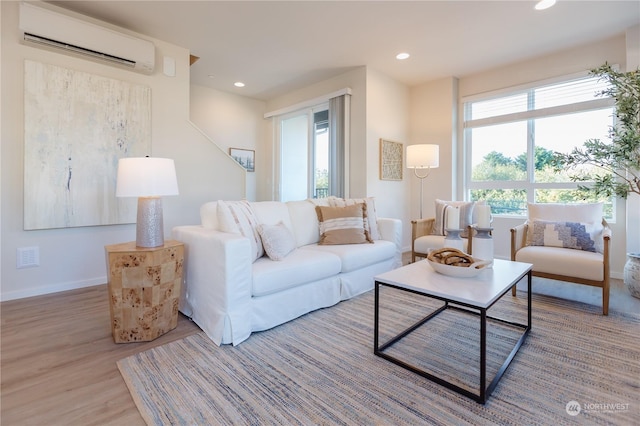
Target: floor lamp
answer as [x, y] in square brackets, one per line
[422, 158]
[148, 179]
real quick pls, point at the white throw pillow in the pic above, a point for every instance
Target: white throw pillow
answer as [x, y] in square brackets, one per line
[277, 240]
[466, 216]
[237, 217]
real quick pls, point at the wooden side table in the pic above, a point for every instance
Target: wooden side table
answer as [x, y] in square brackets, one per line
[144, 289]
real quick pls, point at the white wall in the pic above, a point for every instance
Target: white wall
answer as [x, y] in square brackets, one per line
[74, 257]
[433, 115]
[558, 64]
[231, 121]
[387, 118]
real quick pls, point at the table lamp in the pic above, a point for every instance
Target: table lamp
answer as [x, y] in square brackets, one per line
[148, 179]
[423, 157]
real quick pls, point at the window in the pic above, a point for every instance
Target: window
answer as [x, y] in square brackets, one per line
[510, 138]
[304, 158]
[311, 149]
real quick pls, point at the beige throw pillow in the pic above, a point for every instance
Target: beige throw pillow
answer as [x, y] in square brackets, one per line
[343, 225]
[370, 221]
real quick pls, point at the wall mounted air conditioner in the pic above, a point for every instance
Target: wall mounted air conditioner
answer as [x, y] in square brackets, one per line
[52, 30]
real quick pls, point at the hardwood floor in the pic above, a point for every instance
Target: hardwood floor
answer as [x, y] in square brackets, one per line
[58, 359]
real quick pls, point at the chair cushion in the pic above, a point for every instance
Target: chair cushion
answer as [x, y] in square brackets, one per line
[562, 261]
[577, 212]
[427, 242]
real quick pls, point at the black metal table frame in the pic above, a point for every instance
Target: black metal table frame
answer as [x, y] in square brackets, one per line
[484, 390]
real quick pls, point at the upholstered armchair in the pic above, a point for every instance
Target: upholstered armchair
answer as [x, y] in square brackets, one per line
[565, 242]
[428, 234]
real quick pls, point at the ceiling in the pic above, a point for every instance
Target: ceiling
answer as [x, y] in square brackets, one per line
[278, 46]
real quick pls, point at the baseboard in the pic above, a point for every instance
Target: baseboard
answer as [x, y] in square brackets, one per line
[49, 289]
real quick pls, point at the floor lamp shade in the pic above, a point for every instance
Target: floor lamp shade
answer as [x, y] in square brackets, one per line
[148, 179]
[423, 157]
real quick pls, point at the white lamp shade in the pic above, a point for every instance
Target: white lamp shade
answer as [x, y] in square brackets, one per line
[146, 177]
[423, 156]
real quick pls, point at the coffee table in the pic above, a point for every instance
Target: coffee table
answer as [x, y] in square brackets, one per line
[473, 295]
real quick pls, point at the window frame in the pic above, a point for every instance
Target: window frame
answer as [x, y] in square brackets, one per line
[530, 115]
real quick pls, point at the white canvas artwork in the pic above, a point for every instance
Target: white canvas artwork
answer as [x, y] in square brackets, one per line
[77, 126]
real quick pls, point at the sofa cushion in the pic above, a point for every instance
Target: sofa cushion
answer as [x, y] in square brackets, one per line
[343, 225]
[277, 240]
[299, 267]
[272, 212]
[442, 212]
[358, 256]
[560, 261]
[304, 221]
[371, 221]
[573, 235]
[237, 217]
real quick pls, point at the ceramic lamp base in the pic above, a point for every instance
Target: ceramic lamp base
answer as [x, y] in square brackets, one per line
[149, 226]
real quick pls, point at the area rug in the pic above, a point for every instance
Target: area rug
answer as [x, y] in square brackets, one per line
[576, 367]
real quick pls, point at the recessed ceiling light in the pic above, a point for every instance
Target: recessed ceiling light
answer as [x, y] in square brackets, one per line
[402, 56]
[238, 84]
[211, 76]
[544, 4]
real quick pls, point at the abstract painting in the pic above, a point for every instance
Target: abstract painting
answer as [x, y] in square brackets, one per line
[77, 126]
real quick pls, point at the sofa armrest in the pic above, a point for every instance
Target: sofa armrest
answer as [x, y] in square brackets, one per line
[518, 239]
[216, 291]
[391, 230]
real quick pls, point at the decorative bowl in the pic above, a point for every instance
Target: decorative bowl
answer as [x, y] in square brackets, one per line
[461, 271]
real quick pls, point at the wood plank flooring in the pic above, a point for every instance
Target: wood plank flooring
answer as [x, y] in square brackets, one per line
[58, 361]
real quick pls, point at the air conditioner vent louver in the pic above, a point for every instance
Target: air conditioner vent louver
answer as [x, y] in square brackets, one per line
[98, 55]
[45, 28]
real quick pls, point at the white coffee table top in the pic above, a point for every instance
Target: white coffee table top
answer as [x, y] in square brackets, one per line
[480, 291]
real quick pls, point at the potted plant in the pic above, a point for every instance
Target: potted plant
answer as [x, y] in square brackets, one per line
[616, 160]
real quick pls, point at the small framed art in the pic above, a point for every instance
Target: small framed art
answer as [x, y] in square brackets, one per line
[391, 160]
[245, 157]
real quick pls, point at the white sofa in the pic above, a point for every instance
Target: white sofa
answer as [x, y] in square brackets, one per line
[230, 295]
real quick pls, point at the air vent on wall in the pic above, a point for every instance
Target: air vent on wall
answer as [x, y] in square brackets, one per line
[45, 28]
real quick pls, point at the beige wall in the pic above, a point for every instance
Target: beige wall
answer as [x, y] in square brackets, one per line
[74, 257]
